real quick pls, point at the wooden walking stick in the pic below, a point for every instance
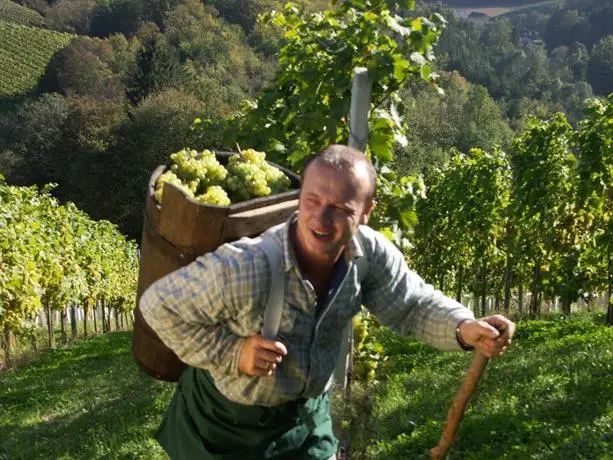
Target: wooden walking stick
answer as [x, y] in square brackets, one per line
[458, 406]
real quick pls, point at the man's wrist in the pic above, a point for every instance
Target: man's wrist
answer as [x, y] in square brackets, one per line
[458, 336]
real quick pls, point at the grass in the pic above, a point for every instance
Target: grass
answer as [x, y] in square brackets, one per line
[88, 401]
[549, 397]
[28, 343]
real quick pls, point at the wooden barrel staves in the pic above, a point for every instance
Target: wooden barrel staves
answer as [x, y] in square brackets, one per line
[180, 230]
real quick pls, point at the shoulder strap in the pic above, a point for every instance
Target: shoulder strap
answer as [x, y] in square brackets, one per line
[276, 292]
[362, 262]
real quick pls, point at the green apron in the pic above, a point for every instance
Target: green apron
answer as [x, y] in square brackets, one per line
[201, 423]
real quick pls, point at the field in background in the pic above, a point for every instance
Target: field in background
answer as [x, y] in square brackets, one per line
[18, 14]
[24, 54]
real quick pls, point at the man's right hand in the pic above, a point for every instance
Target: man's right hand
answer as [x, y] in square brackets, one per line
[260, 356]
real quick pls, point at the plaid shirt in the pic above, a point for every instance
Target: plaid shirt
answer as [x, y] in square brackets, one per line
[204, 311]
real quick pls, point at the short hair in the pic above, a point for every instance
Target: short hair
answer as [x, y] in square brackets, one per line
[345, 158]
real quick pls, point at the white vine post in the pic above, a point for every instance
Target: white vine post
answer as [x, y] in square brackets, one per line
[358, 138]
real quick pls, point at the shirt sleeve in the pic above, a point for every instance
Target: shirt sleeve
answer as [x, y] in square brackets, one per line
[401, 299]
[190, 308]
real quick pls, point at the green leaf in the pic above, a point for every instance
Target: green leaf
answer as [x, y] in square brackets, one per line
[425, 72]
[401, 68]
[388, 233]
[381, 140]
[409, 218]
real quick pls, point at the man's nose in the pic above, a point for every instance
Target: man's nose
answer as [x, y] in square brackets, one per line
[325, 215]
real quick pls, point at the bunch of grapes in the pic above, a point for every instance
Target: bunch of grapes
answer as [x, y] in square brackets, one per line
[246, 180]
[277, 181]
[198, 169]
[250, 176]
[203, 178]
[214, 195]
[215, 172]
[171, 178]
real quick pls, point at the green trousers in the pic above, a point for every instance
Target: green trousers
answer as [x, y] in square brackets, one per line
[201, 423]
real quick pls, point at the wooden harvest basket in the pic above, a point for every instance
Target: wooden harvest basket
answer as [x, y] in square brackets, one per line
[179, 231]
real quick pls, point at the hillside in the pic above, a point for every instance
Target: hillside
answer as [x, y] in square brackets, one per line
[18, 14]
[24, 53]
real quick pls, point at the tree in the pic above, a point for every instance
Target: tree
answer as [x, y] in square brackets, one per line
[542, 201]
[537, 79]
[594, 141]
[79, 70]
[459, 238]
[118, 16]
[483, 124]
[464, 117]
[89, 136]
[73, 16]
[498, 38]
[159, 125]
[565, 27]
[219, 68]
[32, 136]
[522, 110]
[600, 68]
[156, 67]
[578, 58]
[244, 12]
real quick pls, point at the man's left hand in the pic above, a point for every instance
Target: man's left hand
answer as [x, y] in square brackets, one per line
[491, 335]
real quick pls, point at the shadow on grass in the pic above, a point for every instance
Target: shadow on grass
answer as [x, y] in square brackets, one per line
[543, 400]
[87, 401]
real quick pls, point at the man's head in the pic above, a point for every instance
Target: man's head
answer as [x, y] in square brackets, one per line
[344, 158]
[336, 197]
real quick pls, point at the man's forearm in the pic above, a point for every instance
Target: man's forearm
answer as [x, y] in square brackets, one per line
[197, 343]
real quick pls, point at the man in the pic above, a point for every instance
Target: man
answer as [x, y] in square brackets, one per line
[248, 397]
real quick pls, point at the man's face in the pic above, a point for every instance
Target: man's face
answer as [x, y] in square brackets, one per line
[333, 203]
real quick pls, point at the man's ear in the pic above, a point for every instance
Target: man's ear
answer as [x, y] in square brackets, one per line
[368, 209]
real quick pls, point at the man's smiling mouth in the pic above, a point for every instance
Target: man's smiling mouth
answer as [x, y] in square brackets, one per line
[321, 235]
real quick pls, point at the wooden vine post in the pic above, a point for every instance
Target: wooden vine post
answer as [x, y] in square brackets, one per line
[458, 406]
[358, 138]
